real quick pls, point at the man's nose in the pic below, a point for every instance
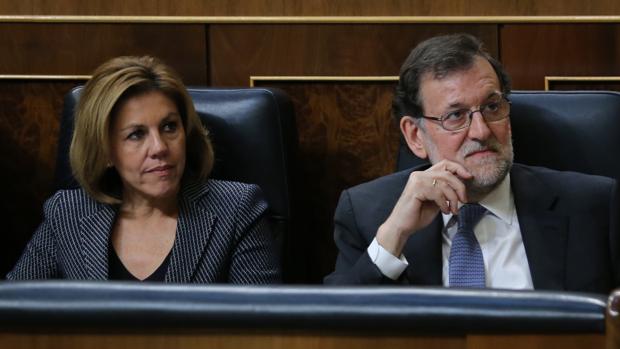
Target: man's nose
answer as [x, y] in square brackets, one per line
[478, 128]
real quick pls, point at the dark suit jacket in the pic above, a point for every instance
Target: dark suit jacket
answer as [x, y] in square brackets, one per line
[568, 223]
[222, 236]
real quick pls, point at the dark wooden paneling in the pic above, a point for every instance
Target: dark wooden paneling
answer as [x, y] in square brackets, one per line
[347, 137]
[239, 51]
[311, 8]
[79, 48]
[531, 52]
[29, 121]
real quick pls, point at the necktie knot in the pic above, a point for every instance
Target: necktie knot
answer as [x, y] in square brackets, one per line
[469, 216]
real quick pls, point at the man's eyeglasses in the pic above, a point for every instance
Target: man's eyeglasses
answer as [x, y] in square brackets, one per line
[496, 109]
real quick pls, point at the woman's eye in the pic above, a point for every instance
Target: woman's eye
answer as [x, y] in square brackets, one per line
[170, 126]
[135, 135]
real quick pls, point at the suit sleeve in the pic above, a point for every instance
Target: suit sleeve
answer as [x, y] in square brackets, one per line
[255, 259]
[38, 261]
[353, 265]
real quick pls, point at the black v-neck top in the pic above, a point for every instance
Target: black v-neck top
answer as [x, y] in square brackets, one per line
[118, 271]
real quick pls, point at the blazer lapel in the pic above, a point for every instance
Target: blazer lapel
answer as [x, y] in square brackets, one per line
[94, 234]
[423, 250]
[544, 232]
[194, 228]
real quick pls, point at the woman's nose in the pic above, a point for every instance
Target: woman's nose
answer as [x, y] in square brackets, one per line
[158, 146]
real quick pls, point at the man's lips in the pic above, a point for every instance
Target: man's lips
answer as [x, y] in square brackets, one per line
[480, 152]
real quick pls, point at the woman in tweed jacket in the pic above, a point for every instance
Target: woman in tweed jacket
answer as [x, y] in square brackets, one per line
[146, 209]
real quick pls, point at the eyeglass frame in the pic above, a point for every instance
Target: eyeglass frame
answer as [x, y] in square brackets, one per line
[470, 115]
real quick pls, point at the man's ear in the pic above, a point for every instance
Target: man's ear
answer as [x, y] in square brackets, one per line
[413, 135]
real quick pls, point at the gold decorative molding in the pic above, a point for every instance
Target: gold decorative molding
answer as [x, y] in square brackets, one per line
[550, 79]
[309, 19]
[43, 77]
[254, 79]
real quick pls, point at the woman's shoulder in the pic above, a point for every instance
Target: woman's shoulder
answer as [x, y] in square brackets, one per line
[230, 193]
[76, 201]
[230, 187]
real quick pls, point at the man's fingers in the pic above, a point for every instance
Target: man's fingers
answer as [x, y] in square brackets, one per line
[454, 168]
[453, 182]
[452, 200]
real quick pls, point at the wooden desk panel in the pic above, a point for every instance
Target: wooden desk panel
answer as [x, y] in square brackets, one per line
[249, 340]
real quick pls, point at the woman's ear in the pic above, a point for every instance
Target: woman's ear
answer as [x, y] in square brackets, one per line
[414, 136]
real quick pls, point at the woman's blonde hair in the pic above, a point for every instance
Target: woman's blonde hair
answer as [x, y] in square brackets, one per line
[112, 83]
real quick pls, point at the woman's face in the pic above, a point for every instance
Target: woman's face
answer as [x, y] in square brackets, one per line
[147, 142]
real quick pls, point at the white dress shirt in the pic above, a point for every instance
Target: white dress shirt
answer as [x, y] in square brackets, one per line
[499, 235]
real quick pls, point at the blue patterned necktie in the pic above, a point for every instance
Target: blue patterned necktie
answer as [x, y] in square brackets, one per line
[466, 261]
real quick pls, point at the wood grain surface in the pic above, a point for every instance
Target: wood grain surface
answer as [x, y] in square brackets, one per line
[77, 49]
[29, 122]
[240, 51]
[346, 137]
[530, 52]
[310, 7]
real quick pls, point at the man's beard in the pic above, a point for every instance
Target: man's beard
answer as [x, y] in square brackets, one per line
[488, 173]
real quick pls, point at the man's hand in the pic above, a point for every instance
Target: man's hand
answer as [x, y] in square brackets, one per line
[426, 193]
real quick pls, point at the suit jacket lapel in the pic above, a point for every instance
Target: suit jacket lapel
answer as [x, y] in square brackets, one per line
[194, 228]
[544, 232]
[94, 234]
[423, 251]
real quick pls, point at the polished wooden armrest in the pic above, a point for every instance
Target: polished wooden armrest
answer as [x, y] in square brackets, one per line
[613, 320]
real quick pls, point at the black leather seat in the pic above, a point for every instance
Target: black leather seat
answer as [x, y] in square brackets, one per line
[125, 305]
[576, 130]
[253, 133]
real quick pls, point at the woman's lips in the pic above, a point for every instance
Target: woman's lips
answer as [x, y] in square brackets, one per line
[164, 169]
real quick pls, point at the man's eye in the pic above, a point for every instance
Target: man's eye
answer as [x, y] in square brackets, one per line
[456, 115]
[491, 107]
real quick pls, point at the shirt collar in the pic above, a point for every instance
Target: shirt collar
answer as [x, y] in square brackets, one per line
[499, 202]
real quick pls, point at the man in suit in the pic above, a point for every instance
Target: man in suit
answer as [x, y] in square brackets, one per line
[472, 218]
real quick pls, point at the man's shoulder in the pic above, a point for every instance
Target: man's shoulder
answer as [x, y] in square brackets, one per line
[562, 179]
[576, 191]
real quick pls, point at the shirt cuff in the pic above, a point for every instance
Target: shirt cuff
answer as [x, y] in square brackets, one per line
[387, 263]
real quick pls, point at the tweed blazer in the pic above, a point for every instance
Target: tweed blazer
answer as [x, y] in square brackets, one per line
[223, 236]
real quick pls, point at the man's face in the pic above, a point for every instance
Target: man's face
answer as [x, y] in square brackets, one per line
[484, 149]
